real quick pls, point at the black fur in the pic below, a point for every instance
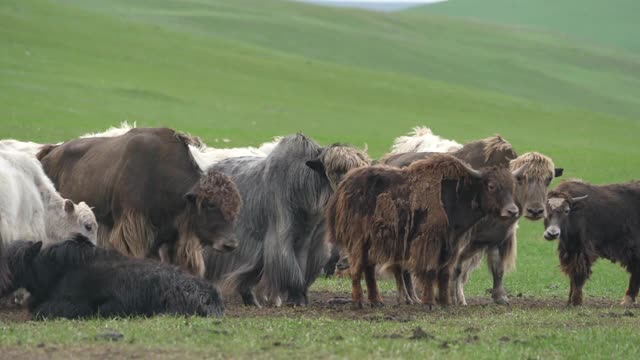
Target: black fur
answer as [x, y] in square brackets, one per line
[75, 279]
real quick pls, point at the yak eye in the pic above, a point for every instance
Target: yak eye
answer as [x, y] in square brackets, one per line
[88, 227]
[491, 187]
[210, 206]
[567, 211]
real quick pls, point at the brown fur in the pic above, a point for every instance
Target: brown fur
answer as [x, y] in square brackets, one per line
[379, 216]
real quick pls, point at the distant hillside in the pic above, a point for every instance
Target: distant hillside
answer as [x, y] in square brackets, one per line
[610, 23]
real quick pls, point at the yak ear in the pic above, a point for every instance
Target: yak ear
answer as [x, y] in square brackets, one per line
[558, 172]
[316, 165]
[190, 197]
[68, 206]
[32, 251]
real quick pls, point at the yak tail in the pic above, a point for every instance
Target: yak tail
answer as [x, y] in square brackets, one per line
[509, 252]
[45, 150]
[190, 254]
[132, 235]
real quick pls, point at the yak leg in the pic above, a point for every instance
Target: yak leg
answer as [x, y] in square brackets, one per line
[498, 294]
[61, 308]
[401, 289]
[281, 267]
[318, 255]
[356, 270]
[411, 290]
[577, 282]
[444, 276]
[428, 280]
[372, 286]
[634, 285]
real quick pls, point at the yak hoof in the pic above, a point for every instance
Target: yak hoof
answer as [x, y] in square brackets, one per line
[628, 301]
[502, 300]
[358, 305]
[430, 307]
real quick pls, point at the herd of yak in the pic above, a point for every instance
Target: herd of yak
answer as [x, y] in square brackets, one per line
[145, 221]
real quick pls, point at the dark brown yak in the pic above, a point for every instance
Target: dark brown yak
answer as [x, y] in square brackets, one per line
[592, 222]
[413, 218]
[149, 196]
[497, 237]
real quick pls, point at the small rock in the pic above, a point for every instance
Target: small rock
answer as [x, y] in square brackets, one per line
[40, 345]
[419, 334]
[519, 295]
[110, 335]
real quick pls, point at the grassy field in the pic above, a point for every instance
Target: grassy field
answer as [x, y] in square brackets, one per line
[246, 70]
[611, 24]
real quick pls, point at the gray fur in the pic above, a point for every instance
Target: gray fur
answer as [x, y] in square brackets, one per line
[281, 224]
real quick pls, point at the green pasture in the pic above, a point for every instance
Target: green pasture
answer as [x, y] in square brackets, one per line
[247, 70]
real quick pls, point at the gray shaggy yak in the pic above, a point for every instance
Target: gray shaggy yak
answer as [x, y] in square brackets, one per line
[281, 226]
[75, 279]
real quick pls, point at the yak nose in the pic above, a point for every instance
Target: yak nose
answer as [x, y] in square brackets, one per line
[552, 233]
[535, 213]
[510, 211]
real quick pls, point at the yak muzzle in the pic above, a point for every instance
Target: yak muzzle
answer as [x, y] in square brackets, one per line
[534, 213]
[509, 212]
[225, 245]
[552, 233]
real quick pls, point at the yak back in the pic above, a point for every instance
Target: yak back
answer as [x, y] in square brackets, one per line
[608, 220]
[147, 170]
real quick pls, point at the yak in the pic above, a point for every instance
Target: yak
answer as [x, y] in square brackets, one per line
[591, 222]
[413, 218]
[149, 195]
[75, 279]
[281, 227]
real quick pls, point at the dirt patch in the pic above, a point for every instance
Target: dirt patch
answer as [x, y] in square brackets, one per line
[93, 352]
[338, 306]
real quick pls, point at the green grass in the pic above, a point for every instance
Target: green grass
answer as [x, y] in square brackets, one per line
[247, 70]
[612, 24]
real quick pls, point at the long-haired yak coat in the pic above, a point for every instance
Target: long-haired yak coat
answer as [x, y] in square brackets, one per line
[281, 227]
[591, 222]
[149, 196]
[75, 279]
[495, 236]
[413, 217]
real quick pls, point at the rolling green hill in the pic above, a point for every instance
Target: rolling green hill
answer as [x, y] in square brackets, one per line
[611, 24]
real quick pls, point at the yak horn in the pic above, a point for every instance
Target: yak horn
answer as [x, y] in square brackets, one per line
[579, 198]
[473, 172]
[518, 172]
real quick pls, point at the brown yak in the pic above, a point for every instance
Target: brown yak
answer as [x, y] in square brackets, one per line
[149, 196]
[413, 218]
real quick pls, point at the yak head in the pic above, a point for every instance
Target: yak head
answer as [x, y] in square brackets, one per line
[336, 161]
[532, 182]
[214, 204]
[559, 207]
[496, 195]
[65, 220]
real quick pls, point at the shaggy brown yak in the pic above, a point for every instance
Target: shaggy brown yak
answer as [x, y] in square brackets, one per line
[592, 222]
[149, 196]
[413, 217]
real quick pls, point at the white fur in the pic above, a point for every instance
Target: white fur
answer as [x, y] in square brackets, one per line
[423, 140]
[112, 131]
[206, 156]
[26, 147]
[32, 209]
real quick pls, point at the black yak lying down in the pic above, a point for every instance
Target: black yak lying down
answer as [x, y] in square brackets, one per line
[75, 279]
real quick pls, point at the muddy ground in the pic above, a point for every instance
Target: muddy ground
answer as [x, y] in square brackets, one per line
[338, 306]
